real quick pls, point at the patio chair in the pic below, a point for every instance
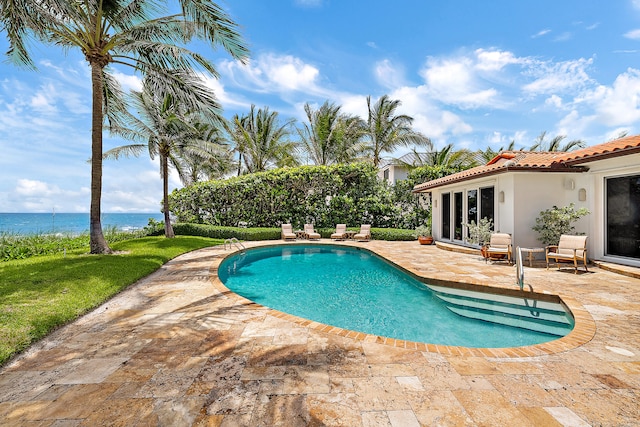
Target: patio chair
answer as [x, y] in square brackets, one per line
[310, 232]
[499, 248]
[287, 232]
[364, 235]
[340, 234]
[569, 249]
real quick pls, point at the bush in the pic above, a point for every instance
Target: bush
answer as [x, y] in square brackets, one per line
[554, 222]
[321, 195]
[219, 232]
[392, 234]
[480, 233]
[253, 234]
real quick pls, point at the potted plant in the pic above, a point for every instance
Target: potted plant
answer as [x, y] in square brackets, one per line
[423, 233]
[480, 233]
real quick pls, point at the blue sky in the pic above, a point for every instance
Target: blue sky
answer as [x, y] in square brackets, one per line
[470, 73]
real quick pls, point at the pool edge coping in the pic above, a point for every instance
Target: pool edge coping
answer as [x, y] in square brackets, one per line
[584, 329]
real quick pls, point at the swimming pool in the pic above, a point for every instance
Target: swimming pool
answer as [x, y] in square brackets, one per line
[353, 289]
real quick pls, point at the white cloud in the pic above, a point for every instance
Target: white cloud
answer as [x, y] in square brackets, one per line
[388, 75]
[272, 73]
[495, 60]
[618, 105]
[541, 33]
[453, 81]
[28, 188]
[128, 81]
[225, 98]
[554, 101]
[633, 34]
[558, 77]
[636, 3]
[564, 37]
[372, 45]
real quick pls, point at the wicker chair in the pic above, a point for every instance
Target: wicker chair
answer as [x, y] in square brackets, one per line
[499, 248]
[569, 249]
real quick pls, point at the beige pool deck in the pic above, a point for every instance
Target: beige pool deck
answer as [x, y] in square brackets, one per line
[178, 349]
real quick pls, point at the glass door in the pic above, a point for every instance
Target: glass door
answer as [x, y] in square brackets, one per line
[457, 215]
[446, 216]
[623, 216]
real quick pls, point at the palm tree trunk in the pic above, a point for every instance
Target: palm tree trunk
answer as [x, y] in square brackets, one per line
[97, 241]
[164, 164]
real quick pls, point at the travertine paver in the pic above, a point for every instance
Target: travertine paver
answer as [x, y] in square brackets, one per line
[178, 348]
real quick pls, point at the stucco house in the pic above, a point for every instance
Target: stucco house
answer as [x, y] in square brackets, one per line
[394, 170]
[515, 186]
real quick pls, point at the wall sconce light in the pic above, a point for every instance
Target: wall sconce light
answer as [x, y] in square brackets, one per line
[435, 203]
[501, 197]
[582, 195]
[569, 184]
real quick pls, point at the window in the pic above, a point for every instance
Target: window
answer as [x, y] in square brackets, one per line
[386, 174]
[487, 203]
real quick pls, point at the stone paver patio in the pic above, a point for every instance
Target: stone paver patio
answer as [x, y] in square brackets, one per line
[178, 349]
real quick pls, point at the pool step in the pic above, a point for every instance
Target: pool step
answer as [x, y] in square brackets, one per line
[526, 313]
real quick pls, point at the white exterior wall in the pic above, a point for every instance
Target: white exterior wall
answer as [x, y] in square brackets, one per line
[396, 173]
[537, 192]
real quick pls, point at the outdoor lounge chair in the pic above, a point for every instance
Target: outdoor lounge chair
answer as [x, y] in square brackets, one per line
[310, 232]
[287, 232]
[499, 248]
[569, 249]
[340, 234]
[364, 234]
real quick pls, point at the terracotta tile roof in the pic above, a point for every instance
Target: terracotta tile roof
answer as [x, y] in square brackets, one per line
[508, 161]
[615, 148]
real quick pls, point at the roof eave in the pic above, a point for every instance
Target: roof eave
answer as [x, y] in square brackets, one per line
[603, 156]
[423, 188]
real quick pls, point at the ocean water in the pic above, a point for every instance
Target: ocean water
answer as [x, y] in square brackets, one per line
[73, 223]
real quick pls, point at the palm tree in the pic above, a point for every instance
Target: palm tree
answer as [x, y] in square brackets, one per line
[447, 158]
[169, 132]
[387, 131]
[130, 33]
[330, 136]
[261, 141]
[215, 162]
[541, 144]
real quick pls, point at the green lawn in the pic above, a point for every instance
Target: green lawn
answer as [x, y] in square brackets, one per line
[40, 294]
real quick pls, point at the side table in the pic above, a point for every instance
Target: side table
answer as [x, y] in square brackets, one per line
[530, 252]
[349, 234]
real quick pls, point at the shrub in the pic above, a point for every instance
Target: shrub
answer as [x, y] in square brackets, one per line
[251, 234]
[480, 233]
[554, 222]
[219, 232]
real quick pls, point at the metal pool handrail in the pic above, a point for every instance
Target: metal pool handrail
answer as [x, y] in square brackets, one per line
[520, 270]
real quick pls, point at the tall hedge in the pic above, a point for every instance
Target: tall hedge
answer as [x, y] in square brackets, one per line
[322, 195]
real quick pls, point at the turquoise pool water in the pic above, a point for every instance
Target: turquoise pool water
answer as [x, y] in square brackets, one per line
[354, 289]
